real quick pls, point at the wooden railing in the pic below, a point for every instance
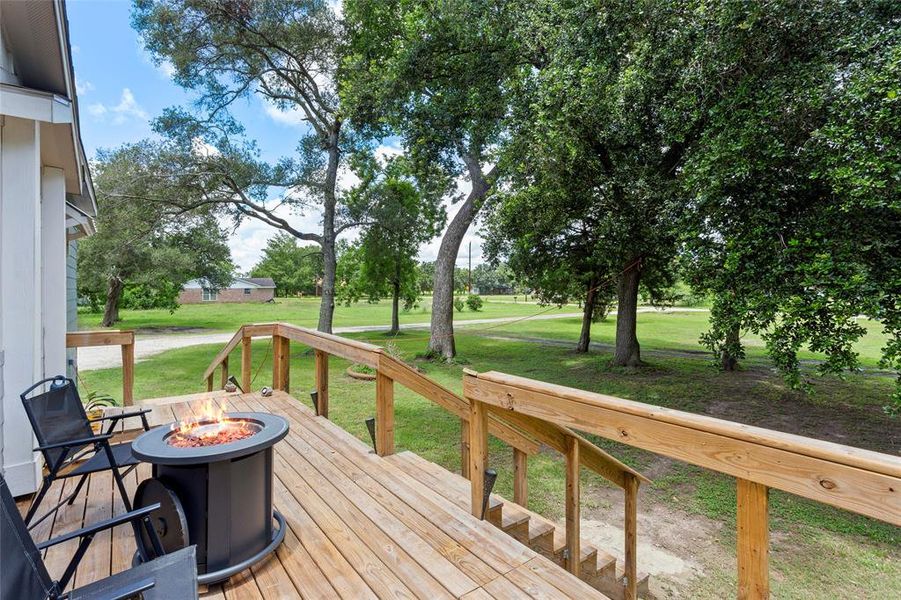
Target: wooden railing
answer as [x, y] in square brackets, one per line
[864, 482]
[125, 339]
[524, 433]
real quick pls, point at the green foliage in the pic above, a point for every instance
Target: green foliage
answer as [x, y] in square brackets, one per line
[293, 267]
[144, 248]
[459, 303]
[401, 214]
[474, 302]
[489, 279]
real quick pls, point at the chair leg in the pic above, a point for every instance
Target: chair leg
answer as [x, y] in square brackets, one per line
[37, 500]
[77, 489]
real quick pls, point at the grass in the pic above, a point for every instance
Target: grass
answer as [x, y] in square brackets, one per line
[300, 311]
[862, 554]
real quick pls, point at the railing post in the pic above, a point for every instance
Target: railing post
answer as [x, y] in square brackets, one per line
[128, 372]
[631, 537]
[223, 377]
[209, 383]
[321, 369]
[384, 414]
[753, 540]
[246, 363]
[281, 349]
[520, 477]
[464, 448]
[573, 534]
[478, 453]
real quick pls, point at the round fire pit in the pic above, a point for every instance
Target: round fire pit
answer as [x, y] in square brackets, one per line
[213, 478]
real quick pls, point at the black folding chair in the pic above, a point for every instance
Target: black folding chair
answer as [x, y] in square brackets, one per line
[26, 577]
[69, 445]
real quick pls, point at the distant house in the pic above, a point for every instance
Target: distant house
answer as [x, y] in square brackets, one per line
[242, 289]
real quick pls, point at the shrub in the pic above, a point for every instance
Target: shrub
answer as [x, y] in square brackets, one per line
[458, 304]
[474, 302]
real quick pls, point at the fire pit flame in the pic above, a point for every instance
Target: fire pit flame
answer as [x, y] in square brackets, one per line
[211, 427]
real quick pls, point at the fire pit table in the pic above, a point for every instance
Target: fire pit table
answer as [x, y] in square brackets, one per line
[213, 478]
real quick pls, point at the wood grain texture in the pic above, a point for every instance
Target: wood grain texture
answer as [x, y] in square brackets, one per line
[128, 373]
[246, 362]
[478, 455]
[321, 376]
[573, 508]
[769, 458]
[753, 544]
[631, 538]
[384, 414]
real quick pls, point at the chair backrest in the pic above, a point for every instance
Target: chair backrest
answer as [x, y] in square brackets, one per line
[24, 575]
[56, 415]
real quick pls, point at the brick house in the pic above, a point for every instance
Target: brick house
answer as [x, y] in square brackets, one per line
[242, 289]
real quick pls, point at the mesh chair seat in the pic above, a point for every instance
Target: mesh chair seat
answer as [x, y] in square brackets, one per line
[100, 462]
[173, 575]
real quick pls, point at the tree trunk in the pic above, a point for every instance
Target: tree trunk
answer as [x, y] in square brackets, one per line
[441, 340]
[627, 353]
[728, 362]
[395, 303]
[329, 258]
[587, 314]
[113, 296]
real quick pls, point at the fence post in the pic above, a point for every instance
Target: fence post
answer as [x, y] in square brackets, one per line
[321, 368]
[384, 414]
[753, 540]
[520, 477]
[631, 537]
[573, 534]
[478, 453]
[246, 363]
[128, 372]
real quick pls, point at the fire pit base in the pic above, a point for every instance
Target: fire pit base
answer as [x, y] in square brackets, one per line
[278, 535]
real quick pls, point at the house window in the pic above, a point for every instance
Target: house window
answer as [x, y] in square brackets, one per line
[209, 295]
[246, 291]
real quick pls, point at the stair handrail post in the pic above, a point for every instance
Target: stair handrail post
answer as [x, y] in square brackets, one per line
[320, 358]
[478, 454]
[573, 508]
[630, 559]
[384, 414]
[246, 361]
[223, 375]
[520, 478]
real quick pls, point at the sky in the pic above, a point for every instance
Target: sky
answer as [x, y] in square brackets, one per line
[120, 91]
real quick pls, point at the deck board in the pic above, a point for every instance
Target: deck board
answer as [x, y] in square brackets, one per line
[359, 527]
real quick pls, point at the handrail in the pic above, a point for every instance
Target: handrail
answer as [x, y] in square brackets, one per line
[522, 434]
[111, 337]
[864, 482]
[858, 480]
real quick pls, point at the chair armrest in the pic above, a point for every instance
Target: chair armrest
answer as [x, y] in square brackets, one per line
[101, 526]
[75, 443]
[123, 415]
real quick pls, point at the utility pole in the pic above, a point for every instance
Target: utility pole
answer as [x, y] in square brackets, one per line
[469, 283]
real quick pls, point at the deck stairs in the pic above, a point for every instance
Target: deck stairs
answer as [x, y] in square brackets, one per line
[599, 569]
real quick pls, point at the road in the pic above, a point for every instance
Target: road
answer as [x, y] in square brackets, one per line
[103, 357]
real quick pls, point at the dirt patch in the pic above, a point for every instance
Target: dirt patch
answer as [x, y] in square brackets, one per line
[675, 547]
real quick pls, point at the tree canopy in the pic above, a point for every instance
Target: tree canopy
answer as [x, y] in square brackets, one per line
[294, 268]
[143, 246]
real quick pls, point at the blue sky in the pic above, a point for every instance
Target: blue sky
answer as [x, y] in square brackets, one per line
[120, 91]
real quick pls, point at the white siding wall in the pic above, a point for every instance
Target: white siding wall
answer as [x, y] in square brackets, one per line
[20, 293]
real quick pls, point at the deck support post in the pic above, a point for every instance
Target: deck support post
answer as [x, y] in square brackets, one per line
[478, 453]
[630, 590]
[321, 370]
[281, 366]
[753, 540]
[384, 414]
[573, 534]
[223, 375]
[209, 383]
[464, 448]
[246, 363]
[520, 477]
[128, 373]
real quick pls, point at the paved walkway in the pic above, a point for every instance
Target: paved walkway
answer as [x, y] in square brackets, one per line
[103, 357]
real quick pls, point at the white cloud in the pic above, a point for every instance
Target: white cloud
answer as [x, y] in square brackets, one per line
[82, 87]
[294, 117]
[128, 108]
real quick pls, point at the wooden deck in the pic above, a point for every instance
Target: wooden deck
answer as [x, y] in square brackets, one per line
[359, 525]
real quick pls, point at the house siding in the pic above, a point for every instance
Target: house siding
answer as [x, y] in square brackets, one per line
[227, 296]
[71, 303]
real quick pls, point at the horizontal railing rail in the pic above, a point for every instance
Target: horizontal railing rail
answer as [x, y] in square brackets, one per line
[861, 481]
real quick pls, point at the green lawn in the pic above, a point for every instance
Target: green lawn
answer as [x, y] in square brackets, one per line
[816, 548]
[300, 311]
